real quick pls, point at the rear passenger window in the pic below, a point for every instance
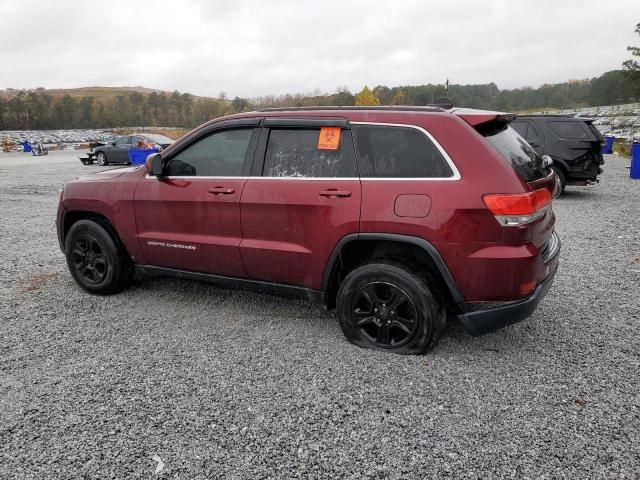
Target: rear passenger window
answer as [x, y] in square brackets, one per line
[398, 152]
[568, 129]
[300, 153]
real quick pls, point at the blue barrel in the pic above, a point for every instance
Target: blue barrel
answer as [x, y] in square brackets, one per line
[137, 156]
[608, 144]
[635, 161]
[26, 147]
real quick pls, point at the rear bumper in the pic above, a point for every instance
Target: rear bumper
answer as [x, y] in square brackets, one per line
[492, 319]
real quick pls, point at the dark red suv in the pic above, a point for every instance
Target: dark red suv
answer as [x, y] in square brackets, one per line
[401, 218]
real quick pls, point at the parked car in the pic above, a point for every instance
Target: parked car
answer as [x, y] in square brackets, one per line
[117, 151]
[402, 219]
[574, 144]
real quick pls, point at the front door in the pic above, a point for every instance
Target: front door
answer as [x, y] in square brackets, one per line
[304, 197]
[120, 151]
[190, 218]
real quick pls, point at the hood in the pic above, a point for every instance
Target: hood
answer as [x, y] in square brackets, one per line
[108, 174]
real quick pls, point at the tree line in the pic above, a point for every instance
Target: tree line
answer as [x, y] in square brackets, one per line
[36, 109]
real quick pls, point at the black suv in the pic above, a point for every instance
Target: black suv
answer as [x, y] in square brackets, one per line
[574, 144]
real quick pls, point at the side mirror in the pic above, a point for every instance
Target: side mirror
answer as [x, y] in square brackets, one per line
[153, 165]
[547, 161]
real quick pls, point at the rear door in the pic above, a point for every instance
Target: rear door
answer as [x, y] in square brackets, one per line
[190, 218]
[303, 198]
[576, 144]
[527, 129]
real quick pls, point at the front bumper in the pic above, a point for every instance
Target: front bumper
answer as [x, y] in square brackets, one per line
[59, 225]
[88, 159]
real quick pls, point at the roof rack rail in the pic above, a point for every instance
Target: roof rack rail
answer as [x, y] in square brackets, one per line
[559, 115]
[443, 102]
[393, 108]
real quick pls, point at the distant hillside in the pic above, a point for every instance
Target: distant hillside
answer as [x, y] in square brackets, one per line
[109, 107]
[99, 93]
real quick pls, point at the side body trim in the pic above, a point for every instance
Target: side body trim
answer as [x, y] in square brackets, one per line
[232, 282]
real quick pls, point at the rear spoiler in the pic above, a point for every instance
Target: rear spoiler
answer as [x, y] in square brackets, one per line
[477, 117]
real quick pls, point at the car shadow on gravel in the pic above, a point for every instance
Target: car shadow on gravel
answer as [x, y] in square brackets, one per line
[577, 194]
[243, 301]
[516, 339]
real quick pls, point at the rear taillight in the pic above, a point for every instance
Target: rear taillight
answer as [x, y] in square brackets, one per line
[512, 210]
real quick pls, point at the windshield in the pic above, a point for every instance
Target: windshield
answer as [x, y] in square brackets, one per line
[515, 150]
[159, 139]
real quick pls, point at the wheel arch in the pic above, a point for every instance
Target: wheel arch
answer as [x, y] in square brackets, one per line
[561, 163]
[74, 216]
[355, 249]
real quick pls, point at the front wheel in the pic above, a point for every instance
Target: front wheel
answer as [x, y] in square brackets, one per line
[101, 158]
[386, 306]
[96, 260]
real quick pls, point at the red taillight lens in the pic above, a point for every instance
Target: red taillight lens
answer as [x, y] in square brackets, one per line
[518, 204]
[518, 208]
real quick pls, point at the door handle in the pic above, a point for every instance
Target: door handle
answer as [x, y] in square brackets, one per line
[333, 193]
[221, 191]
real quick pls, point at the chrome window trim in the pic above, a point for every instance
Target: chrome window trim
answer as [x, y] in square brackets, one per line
[456, 173]
[455, 177]
[254, 178]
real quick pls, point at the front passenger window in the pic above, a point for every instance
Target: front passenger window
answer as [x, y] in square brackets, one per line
[221, 154]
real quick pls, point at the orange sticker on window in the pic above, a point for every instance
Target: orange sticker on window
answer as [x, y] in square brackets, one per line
[329, 138]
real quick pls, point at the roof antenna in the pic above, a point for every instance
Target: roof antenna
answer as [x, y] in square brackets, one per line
[444, 103]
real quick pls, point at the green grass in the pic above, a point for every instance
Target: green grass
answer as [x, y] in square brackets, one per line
[622, 148]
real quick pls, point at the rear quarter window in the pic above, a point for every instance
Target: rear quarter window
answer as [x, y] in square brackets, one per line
[398, 152]
[515, 150]
[574, 130]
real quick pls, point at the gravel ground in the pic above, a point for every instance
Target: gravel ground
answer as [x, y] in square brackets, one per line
[225, 384]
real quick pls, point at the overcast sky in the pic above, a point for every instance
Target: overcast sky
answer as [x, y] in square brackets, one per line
[253, 48]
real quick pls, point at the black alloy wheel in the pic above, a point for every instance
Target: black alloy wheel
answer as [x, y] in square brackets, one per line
[384, 314]
[385, 305]
[101, 159]
[89, 259]
[96, 258]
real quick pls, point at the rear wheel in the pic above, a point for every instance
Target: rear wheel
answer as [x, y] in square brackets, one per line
[561, 177]
[386, 306]
[96, 260]
[101, 158]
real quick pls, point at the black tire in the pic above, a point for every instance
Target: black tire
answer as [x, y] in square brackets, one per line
[101, 159]
[412, 326]
[562, 177]
[96, 259]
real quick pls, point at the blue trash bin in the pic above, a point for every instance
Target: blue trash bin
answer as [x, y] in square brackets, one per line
[137, 156]
[26, 147]
[608, 144]
[635, 161]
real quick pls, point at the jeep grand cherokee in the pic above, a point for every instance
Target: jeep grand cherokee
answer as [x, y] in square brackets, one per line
[401, 219]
